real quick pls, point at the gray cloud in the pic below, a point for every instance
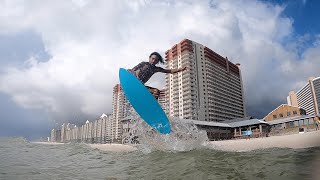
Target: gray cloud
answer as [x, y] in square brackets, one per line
[17, 48]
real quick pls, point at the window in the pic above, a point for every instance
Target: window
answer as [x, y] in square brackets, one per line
[274, 116]
[291, 124]
[294, 112]
[288, 114]
[281, 115]
[311, 121]
[300, 122]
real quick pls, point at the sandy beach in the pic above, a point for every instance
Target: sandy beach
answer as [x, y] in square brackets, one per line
[295, 141]
[51, 143]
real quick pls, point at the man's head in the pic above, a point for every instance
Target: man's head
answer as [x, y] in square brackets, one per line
[155, 58]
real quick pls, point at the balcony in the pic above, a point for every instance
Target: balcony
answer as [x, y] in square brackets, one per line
[188, 81]
[175, 98]
[187, 97]
[176, 93]
[189, 101]
[190, 106]
[187, 88]
[186, 62]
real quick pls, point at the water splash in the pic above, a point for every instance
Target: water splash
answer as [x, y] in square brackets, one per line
[183, 137]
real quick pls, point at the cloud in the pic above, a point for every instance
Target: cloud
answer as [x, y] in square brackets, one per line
[89, 40]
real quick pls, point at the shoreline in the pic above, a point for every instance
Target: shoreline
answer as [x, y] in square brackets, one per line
[293, 141]
[48, 143]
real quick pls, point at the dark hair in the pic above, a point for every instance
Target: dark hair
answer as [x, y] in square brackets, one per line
[158, 56]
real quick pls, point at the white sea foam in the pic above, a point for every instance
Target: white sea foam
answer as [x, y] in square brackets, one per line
[183, 137]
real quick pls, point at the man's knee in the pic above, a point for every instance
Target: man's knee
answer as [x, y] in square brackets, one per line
[155, 92]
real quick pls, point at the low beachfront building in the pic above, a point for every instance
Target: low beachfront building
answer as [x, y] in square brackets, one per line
[259, 127]
[284, 111]
[234, 128]
[293, 124]
[215, 130]
[230, 129]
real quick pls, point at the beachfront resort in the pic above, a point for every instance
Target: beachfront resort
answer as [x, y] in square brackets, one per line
[209, 95]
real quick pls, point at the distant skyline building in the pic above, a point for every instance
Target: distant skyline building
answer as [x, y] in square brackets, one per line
[70, 132]
[98, 131]
[118, 112]
[292, 99]
[55, 135]
[85, 136]
[308, 97]
[211, 90]
[106, 127]
[64, 132]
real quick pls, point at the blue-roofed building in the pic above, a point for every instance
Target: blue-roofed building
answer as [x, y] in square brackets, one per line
[235, 128]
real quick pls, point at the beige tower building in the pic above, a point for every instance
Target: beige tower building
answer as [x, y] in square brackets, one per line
[55, 135]
[86, 132]
[308, 97]
[162, 100]
[211, 90]
[118, 111]
[292, 99]
[64, 132]
[106, 131]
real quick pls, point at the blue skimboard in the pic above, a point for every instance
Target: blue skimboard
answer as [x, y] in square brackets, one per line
[143, 102]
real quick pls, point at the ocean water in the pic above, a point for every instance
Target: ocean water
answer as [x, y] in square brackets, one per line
[20, 159]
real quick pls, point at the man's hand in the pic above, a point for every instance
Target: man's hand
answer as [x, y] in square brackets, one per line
[184, 68]
[137, 73]
[172, 71]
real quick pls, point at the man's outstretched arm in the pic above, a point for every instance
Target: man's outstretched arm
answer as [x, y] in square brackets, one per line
[172, 71]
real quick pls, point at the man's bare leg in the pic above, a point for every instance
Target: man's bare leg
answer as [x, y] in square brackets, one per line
[154, 91]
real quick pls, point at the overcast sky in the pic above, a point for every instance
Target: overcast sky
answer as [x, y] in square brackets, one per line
[59, 60]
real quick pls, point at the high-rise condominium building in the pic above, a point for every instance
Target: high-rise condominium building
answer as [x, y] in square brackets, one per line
[211, 90]
[118, 111]
[162, 100]
[55, 135]
[106, 127]
[308, 97]
[64, 132]
[292, 99]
